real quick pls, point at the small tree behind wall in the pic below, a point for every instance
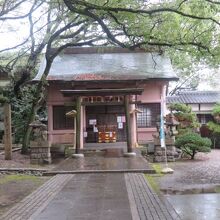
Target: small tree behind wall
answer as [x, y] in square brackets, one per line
[184, 115]
[188, 140]
[214, 126]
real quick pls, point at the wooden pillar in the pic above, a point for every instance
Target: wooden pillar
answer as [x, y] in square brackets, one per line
[128, 123]
[7, 132]
[74, 133]
[78, 124]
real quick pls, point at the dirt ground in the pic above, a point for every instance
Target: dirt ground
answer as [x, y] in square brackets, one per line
[193, 176]
[13, 188]
[23, 161]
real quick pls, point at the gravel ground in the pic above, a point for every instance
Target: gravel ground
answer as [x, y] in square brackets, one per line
[193, 176]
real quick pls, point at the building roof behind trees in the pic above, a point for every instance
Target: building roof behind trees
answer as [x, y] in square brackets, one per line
[197, 97]
[108, 64]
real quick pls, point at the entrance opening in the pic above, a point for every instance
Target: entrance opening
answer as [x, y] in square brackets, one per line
[105, 124]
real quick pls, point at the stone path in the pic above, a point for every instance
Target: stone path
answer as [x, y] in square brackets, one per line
[99, 164]
[93, 197]
[36, 201]
[149, 205]
[90, 197]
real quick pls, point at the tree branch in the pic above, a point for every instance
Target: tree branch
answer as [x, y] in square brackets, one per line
[89, 6]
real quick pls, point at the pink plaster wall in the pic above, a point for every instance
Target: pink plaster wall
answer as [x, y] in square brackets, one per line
[153, 91]
[145, 135]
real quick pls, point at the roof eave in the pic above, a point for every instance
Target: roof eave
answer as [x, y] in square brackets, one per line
[112, 80]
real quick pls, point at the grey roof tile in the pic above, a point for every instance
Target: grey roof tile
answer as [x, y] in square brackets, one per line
[109, 66]
[196, 97]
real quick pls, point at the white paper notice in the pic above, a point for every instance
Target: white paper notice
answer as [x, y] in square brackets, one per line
[95, 129]
[119, 119]
[120, 125]
[92, 122]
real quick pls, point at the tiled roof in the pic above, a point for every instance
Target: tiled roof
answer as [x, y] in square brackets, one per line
[196, 97]
[87, 64]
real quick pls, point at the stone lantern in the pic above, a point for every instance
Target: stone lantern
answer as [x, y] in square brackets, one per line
[40, 149]
[172, 124]
[171, 152]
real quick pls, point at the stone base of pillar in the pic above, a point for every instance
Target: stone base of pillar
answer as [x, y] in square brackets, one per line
[78, 155]
[171, 153]
[130, 154]
[40, 153]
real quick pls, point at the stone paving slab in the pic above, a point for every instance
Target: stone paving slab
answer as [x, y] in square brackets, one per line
[104, 164]
[149, 205]
[90, 197]
[36, 201]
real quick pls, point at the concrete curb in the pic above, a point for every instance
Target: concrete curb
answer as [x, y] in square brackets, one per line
[147, 171]
[134, 211]
[22, 169]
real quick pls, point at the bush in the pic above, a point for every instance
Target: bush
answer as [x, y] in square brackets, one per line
[191, 143]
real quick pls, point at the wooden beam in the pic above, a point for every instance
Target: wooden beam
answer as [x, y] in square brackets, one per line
[102, 92]
[7, 132]
[78, 124]
[128, 123]
[108, 103]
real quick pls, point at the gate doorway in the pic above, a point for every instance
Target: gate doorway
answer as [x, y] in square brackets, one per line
[102, 118]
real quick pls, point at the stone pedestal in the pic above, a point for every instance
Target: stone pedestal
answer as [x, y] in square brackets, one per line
[40, 153]
[159, 152]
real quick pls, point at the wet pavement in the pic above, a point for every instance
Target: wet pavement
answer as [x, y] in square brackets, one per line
[112, 161]
[196, 207]
[90, 196]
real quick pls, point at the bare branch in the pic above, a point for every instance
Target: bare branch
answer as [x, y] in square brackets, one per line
[34, 7]
[96, 18]
[6, 10]
[89, 6]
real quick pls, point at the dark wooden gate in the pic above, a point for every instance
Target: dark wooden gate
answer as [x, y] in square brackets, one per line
[106, 118]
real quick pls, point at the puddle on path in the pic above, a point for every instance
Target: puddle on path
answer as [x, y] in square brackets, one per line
[196, 206]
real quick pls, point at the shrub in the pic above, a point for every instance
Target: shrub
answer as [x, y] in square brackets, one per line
[191, 143]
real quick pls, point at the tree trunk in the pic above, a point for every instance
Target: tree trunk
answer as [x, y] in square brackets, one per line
[31, 117]
[35, 106]
[7, 133]
[193, 155]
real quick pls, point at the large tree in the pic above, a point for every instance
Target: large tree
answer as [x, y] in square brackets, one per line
[188, 31]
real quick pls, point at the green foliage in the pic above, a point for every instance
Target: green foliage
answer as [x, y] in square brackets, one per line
[21, 109]
[216, 109]
[158, 168]
[3, 99]
[178, 107]
[184, 115]
[214, 127]
[154, 185]
[191, 143]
